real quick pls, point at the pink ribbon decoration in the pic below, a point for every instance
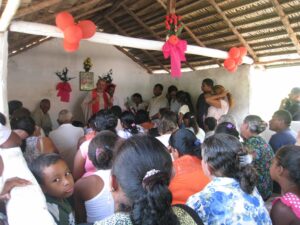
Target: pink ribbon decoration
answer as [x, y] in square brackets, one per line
[64, 89]
[175, 50]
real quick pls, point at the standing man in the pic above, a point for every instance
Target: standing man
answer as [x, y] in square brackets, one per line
[157, 102]
[280, 123]
[292, 103]
[66, 137]
[202, 106]
[95, 100]
[42, 117]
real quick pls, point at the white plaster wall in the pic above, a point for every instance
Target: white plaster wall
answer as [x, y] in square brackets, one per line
[237, 83]
[31, 77]
[31, 74]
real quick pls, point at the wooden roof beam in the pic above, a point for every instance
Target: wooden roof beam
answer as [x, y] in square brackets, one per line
[234, 30]
[144, 51]
[134, 59]
[35, 7]
[285, 20]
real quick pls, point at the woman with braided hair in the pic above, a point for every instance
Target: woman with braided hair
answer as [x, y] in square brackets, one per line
[231, 196]
[141, 174]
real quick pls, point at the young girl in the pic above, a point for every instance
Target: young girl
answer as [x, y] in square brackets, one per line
[285, 170]
[93, 199]
[231, 196]
[186, 105]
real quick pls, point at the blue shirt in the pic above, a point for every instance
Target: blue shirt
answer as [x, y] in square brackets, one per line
[281, 138]
[222, 201]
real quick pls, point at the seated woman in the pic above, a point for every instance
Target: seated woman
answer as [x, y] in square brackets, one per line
[93, 199]
[220, 102]
[129, 125]
[190, 123]
[166, 126]
[227, 128]
[104, 120]
[189, 178]
[140, 188]
[285, 170]
[231, 196]
[260, 150]
[32, 146]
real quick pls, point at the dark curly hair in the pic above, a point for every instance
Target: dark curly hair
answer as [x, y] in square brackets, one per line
[149, 196]
[101, 149]
[105, 120]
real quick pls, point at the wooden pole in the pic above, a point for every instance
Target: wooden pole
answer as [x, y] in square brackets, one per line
[3, 73]
[118, 40]
[7, 15]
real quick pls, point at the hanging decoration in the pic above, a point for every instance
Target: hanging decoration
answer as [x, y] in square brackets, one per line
[64, 88]
[73, 32]
[235, 58]
[174, 47]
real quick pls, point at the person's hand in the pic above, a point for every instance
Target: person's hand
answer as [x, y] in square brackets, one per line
[10, 184]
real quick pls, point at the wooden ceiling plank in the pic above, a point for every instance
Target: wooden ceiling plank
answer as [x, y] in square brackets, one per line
[285, 20]
[97, 9]
[144, 51]
[134, 59]
[234, 30]
[90, 3]
[35, 7]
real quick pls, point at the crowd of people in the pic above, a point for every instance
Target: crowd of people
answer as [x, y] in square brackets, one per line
[161, 162]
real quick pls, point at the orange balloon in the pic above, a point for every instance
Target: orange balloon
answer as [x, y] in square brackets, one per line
[234, 52]
[70, 47]
[63, 20]
[88, 28]
[243, 51]
[73, 34]
[232, 70]
[229, 63]
[238, 61]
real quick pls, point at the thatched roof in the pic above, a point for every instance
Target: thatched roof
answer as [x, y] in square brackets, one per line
[269, 29]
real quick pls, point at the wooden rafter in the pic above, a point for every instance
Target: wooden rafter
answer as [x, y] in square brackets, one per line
[35, 7]
[144, 51]
[285, 20]
[279, 61]
[234, 30]
[134, 59]
[147, 28]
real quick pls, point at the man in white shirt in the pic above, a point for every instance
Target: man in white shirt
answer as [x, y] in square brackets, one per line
[157, 102]
[66, 137]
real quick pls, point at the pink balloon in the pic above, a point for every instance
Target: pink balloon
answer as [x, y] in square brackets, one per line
[234, 53]
[70, 47]
[73, 34]
[229, 63]
[88, 28]
[63, 20]
[243, 51]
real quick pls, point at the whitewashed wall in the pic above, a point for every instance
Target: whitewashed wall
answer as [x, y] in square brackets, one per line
[31, 77]
[237, 83]
[31, 74]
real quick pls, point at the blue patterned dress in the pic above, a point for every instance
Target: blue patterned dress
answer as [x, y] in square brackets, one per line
[222, 201]
[262, 163]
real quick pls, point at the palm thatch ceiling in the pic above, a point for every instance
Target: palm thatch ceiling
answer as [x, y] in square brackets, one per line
[269, 29]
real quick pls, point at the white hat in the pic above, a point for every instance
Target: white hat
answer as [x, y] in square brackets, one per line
[4, 134]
